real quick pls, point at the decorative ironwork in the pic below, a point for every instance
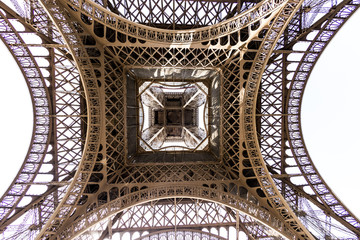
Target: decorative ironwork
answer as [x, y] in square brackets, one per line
[86, 115]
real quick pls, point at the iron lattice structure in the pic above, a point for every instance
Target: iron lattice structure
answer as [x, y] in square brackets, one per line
[83, 63]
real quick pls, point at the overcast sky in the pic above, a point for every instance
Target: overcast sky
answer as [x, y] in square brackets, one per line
[330, 116]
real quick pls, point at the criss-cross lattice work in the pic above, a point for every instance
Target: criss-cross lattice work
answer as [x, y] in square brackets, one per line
[85, 100]
[179, 214]
[174, 14]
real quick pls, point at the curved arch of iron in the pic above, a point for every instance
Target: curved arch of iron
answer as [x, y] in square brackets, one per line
[264, 178]
[160, 220]
[92, 142]
[91, 218]
[295, 97]
[192, 231]
[94, 11]
[68, 204]
[48, 200]
[41, 127]
[329, 27]
[276, 200]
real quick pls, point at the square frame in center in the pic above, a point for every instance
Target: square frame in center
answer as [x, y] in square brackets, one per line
[172, 115]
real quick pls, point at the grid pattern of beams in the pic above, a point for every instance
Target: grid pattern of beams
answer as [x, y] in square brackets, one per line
[93, 186]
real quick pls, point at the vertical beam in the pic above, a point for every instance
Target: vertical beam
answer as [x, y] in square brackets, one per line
[108, 231]
[52, 92]
[237, 225]
[284, 111]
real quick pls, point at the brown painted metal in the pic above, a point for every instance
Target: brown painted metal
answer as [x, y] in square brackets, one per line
[95, 188]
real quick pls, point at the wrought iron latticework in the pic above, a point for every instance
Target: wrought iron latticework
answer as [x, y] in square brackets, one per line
[170, 120]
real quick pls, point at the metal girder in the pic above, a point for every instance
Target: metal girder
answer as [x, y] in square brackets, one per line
[98, 186]
[283, 109]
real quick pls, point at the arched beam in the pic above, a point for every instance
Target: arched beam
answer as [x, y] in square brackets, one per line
[111, 208]
[320, 191]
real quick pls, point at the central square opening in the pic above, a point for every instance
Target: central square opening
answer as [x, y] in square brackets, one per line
[172, 114]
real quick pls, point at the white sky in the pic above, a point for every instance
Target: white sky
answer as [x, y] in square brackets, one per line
[16, 121]
[330, 116]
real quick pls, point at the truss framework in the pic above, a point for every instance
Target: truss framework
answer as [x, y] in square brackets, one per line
[81, 121]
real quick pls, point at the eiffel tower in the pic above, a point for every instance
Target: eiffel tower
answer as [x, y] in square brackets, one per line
[170, 119]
